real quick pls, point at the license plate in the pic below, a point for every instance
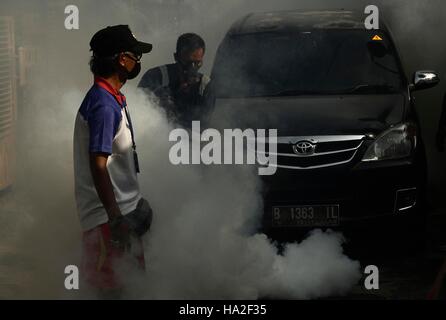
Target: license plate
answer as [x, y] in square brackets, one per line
[306, 216]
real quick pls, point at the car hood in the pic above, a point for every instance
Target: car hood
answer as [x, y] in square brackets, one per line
[311, 115]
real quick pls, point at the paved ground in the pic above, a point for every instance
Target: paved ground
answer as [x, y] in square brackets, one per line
[402, 275]
[408, 275]
[13, 265]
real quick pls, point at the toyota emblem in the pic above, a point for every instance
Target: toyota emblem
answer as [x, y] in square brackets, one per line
[304, 148]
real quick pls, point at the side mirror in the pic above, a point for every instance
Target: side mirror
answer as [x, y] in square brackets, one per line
[424, 80]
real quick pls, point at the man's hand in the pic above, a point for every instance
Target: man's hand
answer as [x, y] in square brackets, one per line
[120, 232]
[118, 226]
[440, 140]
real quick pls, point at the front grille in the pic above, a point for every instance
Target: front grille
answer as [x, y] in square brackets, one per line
[328, 151]
[323, 160]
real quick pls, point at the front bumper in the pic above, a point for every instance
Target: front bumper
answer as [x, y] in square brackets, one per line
[369, 195]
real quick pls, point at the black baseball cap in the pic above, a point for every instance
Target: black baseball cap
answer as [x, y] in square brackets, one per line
[117, 39]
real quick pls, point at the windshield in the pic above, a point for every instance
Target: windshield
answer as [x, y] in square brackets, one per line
[317, 62]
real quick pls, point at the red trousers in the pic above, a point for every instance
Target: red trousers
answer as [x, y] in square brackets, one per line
[101, 258]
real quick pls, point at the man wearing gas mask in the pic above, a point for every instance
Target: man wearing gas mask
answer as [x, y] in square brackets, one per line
[112, 212]
[181, 89]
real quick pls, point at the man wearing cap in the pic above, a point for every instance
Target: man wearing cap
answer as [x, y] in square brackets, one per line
[112, 212]
[183, 92]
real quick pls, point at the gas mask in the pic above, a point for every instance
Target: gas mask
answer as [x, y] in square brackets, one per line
[190, 71]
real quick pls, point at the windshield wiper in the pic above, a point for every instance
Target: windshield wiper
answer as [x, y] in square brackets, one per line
[290, 93]
[371, 88]
[360, 88]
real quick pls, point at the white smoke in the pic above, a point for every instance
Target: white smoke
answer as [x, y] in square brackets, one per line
[203, 243]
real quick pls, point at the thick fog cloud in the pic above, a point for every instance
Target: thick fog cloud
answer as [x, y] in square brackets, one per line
[202, 243]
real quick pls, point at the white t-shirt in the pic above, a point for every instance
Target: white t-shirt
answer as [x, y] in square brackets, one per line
[102, 127]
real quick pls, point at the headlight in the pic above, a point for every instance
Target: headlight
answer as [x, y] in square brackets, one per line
[396, 143]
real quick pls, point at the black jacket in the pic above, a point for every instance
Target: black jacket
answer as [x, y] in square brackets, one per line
[181, 108]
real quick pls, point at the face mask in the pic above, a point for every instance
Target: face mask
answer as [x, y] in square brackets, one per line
[125, 75]
[190, 70]
[135, 72]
